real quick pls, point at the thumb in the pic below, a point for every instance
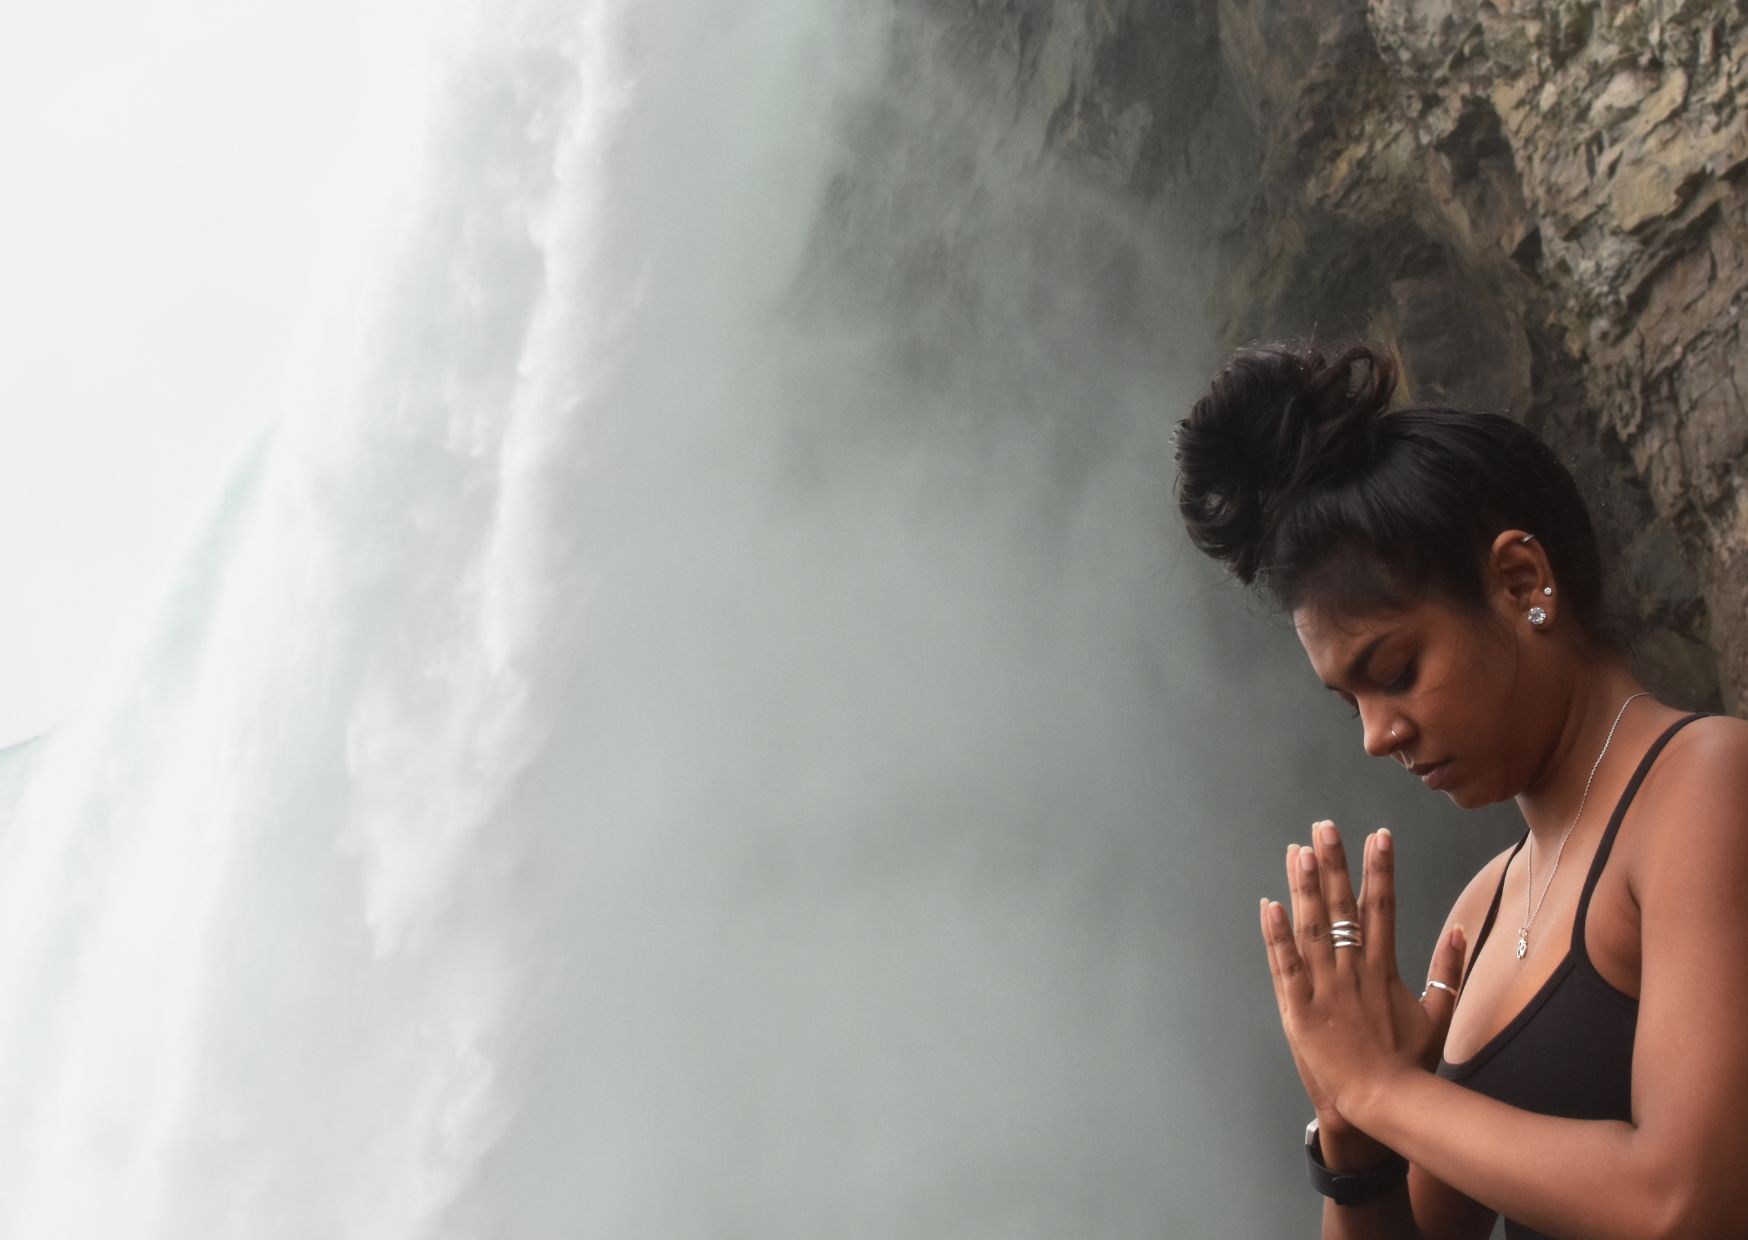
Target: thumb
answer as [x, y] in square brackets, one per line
[1440, 1002]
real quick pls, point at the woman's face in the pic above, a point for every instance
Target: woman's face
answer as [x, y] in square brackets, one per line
[1448, 693]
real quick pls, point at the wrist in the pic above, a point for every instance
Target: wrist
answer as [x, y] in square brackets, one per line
[1365, 1104]
[1357, 1186]
[1346, 1148]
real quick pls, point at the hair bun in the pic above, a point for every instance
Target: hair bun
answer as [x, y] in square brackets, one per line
[1275, 424]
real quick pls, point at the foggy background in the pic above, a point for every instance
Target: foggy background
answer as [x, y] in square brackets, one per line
[695, 716]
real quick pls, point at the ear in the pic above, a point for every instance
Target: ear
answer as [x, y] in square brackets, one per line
[1522, 577]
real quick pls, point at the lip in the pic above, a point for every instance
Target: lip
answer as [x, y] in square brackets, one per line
[1433, 775]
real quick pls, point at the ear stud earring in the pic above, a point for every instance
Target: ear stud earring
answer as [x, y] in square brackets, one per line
[1537, 616]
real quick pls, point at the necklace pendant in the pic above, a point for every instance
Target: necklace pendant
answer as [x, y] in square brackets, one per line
[1522, 941]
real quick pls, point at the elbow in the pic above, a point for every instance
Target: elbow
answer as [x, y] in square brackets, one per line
[1685, 1222]
[1670, 1217]
[1697, 1207]
[1679, 1222]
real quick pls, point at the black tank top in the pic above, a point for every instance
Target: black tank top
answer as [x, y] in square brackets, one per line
[1569, 1052]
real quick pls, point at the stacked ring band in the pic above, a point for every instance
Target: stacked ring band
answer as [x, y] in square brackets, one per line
[1346, 934]
[1433, 984]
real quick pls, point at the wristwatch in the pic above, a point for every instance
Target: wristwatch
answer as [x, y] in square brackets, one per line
[1352, 1188]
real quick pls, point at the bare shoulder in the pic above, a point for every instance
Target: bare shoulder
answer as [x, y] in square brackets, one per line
[1479, 892]
[1705, 763]
[1707, 740]
[1695, 798]
[1470, 910]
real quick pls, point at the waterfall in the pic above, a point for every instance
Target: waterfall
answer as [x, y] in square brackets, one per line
[697, 722]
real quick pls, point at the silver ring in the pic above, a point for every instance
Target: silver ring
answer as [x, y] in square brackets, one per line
[1340, 943]
[1344, 925]
[1434, 984]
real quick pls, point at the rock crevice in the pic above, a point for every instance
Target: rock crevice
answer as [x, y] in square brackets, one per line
[1543, 205]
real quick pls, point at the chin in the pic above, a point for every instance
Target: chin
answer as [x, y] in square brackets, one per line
[1469, 797]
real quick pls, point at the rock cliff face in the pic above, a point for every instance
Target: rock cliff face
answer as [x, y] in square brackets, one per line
[1542, 203]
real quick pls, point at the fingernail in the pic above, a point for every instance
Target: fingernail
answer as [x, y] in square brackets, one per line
[1307, 861]
[1328, 835]
[1277, 916]
[1384, 844]
[1457, 937]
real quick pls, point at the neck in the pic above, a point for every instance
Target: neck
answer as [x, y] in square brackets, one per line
[1551, 801]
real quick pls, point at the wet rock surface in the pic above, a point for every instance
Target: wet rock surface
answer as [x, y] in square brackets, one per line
[1543, 205]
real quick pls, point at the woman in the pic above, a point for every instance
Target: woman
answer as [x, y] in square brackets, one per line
[1579, 1060]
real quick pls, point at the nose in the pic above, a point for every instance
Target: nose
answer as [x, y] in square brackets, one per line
[1384, 733]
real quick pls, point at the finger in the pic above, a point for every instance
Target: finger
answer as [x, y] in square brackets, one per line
[1269, 947]
[1294, 885]
[1295, 977]
[1312, 1090]
[1275, 978]
[1310, 919]
[1336, 885]
[1378, 908]
[1437, 1002]
[1293, 881]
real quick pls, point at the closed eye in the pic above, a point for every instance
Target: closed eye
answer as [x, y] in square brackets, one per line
[1401, 684]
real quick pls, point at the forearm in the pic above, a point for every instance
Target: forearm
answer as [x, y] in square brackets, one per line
[1389, 1218]
[1592, 1178]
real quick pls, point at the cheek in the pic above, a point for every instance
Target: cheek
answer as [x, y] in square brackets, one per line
[1493, 750]
[1469, 716]
[1481, 686]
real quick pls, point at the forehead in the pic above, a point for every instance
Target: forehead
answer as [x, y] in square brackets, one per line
[1336, 642]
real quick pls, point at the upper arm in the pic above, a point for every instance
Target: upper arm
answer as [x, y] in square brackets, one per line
[1440, 1211]
[1690, 1057]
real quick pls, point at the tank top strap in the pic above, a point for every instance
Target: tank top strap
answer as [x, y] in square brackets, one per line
[1606, 844]
[1492, 912]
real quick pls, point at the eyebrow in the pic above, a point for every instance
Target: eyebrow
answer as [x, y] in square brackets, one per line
[1357, 667]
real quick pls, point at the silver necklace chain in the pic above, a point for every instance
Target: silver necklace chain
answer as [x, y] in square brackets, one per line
[1529, 882]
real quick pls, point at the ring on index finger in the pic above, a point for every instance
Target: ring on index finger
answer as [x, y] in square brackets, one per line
[1346, 934]
[1432, 983]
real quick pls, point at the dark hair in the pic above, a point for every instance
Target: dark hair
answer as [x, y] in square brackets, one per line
[1295, 473]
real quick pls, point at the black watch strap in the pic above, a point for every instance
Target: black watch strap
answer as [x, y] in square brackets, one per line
[1352, 1188]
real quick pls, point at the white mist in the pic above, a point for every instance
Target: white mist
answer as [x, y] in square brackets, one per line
[694, 724]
